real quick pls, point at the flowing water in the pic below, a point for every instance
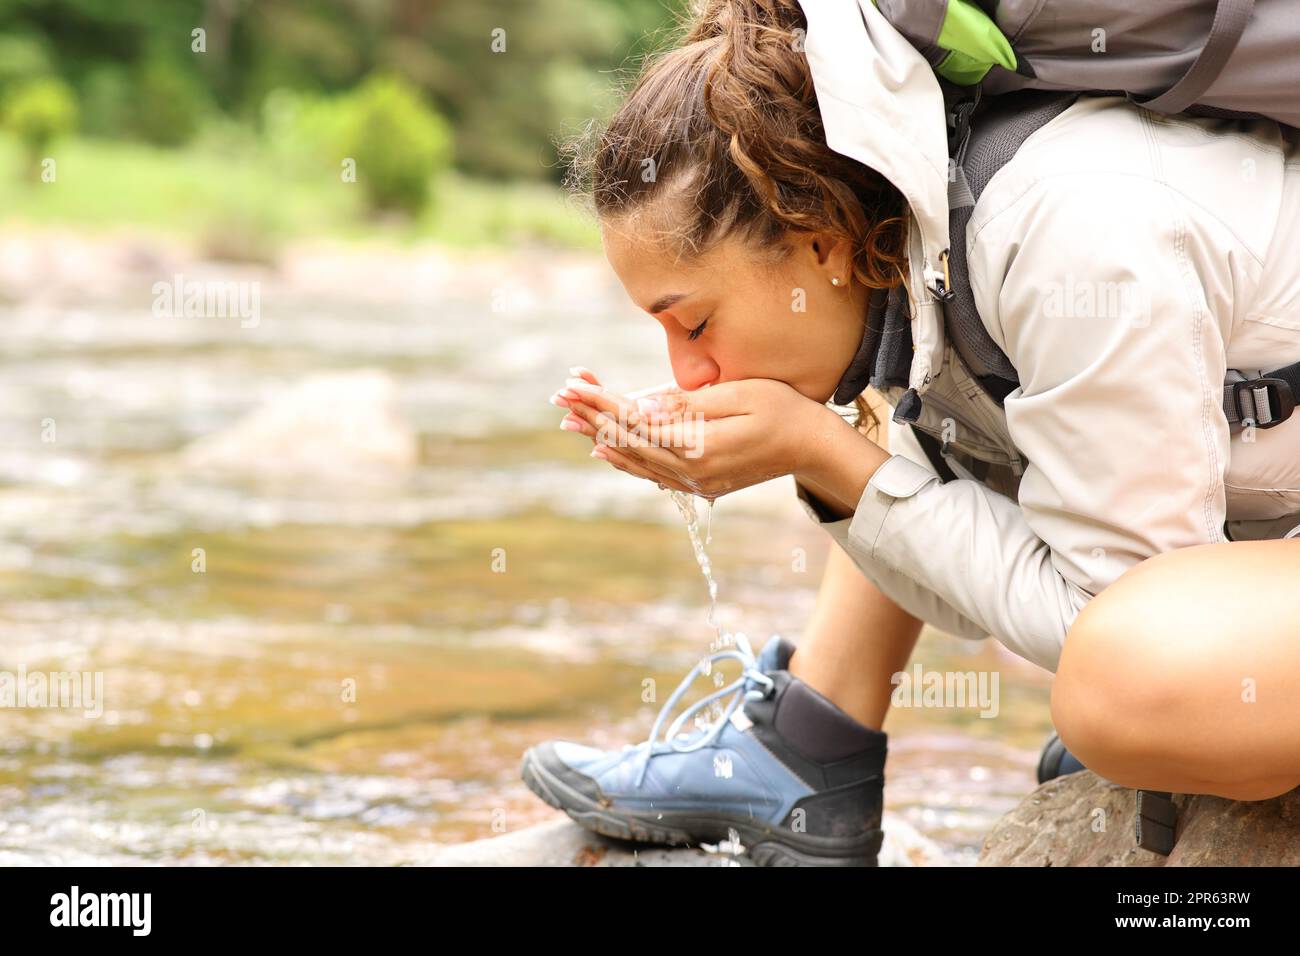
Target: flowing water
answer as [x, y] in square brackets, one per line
[337, 571]
[686, 506]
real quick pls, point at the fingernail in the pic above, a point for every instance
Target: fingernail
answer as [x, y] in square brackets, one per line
[648, 406]
[583, 386]
[599, 452]
[569, 393]
[558, 401]
[577, 371]
[569, 425]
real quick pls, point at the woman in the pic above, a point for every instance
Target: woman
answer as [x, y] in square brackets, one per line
[755, 191]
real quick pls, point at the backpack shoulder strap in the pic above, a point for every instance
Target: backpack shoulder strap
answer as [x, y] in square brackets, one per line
[988, 142]
[1230, 19]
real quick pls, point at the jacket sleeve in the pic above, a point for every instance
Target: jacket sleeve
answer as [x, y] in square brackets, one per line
[1089, 290]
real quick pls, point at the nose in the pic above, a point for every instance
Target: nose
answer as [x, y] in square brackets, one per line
[691, 364]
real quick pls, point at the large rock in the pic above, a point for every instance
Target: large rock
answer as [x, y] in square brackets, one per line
[337, 426]
[1081, 819]
[561, 842]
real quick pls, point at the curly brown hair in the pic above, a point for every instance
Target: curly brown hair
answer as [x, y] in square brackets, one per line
[724, 127]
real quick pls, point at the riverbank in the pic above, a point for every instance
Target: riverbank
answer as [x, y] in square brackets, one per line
[231, 201]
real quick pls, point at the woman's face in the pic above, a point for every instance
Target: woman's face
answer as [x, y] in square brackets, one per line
[754, 319]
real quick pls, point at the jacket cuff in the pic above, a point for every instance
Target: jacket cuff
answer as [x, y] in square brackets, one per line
[814, 507]
[898, 477]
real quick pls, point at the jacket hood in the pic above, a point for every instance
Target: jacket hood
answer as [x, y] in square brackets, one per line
[881, 105]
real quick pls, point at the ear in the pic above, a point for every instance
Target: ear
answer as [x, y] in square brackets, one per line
[831, 255]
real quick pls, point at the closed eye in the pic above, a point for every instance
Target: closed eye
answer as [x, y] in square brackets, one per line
[694, 333]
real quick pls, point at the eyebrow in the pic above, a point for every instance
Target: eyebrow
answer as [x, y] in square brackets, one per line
[664, 301]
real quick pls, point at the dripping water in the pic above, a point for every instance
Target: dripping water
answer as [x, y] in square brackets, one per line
[686, 505]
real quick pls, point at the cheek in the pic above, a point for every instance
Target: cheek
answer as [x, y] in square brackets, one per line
[794, 323]
[779, 326]
[805, 337]
[775, 343]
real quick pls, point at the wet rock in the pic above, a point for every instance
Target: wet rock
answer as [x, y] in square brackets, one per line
[1081, 819]
[340, 426]
[561, 842]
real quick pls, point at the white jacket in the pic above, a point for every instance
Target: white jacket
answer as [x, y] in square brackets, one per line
[1114, 447]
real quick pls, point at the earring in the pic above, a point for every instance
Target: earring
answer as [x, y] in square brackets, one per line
[835, 280]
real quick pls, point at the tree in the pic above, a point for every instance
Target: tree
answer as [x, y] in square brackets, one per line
[38, 112]
[397, 142]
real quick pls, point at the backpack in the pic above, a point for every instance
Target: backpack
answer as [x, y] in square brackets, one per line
[1038, 56]
[1224, 57]
[976, 154]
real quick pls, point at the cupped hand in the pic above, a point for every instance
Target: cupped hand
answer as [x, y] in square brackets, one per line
[582, 405]
[710, 441]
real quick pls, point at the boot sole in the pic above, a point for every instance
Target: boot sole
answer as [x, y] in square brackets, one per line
[764, 845]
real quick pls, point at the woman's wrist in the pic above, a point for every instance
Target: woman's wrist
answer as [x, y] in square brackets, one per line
[836, 460]
[821, 499]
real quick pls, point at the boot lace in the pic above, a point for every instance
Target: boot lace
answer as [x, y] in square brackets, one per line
[752, 684]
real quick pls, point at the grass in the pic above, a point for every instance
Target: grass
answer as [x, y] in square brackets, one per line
[236, 202]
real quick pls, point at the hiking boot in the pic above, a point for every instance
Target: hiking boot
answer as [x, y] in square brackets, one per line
[1056, 761]
[783, 771]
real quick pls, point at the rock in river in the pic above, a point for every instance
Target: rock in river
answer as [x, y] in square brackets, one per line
[1081, 819]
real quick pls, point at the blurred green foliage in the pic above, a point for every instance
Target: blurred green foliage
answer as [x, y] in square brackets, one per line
[166, 103]
[38, 111]
[396, 143]
[228, 121]
[380, 135]
[509, 76]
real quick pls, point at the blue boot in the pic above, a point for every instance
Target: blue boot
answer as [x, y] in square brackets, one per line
[1056, 761]
[799, 781]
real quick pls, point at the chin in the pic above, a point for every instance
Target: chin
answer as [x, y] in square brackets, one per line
[819, 394]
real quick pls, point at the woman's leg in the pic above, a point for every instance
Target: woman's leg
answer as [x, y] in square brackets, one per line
[1184, 675]
[867, 619]
[855, 642]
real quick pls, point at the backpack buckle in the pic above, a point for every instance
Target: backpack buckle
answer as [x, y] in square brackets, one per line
[960, 124]
[1267, 402]
[941, 285]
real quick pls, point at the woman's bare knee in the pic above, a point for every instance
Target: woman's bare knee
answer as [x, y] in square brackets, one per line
[1177, 672]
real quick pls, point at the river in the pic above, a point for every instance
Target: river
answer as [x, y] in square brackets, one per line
[338, 568]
